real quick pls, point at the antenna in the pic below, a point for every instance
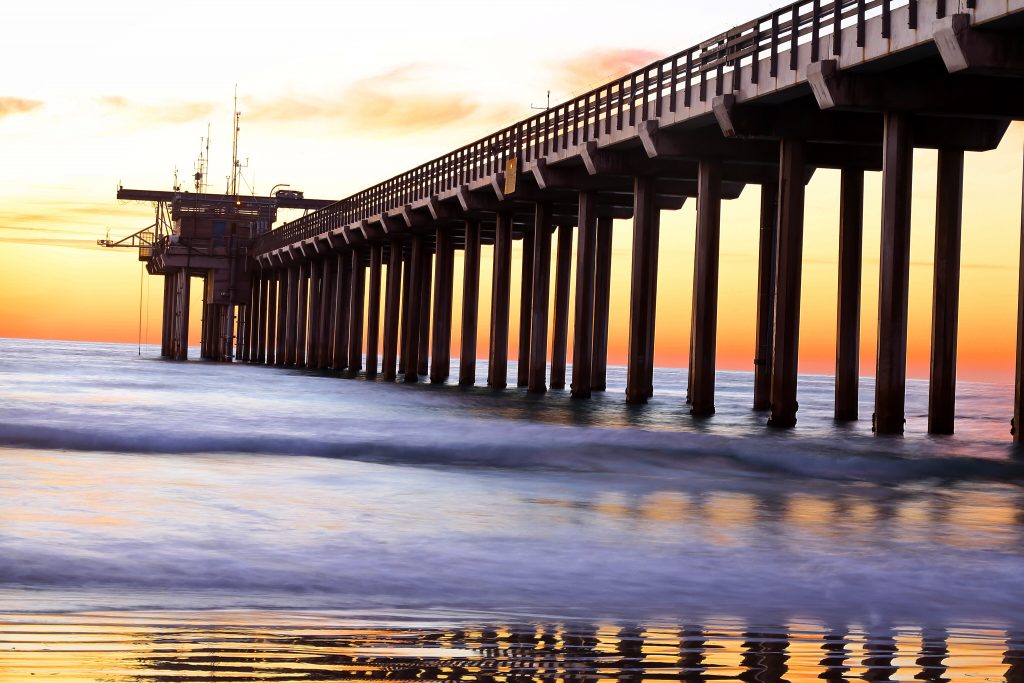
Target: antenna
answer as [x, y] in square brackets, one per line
[206, 169]
[532, 106]
[233, 187]
[201, 175]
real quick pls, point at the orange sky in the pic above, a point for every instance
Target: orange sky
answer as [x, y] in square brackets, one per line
[336, 116]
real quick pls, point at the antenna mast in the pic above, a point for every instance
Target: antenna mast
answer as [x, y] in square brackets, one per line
[233, 187]
[202, 174]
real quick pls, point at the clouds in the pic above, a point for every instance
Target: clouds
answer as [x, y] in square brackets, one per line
[17, 105]
[161, 112]
[596, 67]
[53, 242]
[402, 101]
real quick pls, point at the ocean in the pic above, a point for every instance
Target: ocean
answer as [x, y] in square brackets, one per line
[194, 521]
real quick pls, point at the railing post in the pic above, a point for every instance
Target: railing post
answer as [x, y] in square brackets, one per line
[837, 27]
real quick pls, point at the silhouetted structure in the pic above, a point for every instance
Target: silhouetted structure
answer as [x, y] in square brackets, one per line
[853, 85]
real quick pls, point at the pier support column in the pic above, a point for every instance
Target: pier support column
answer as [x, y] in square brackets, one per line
[392, 305]
[328, 309]
[242, 317]
[765, 296]
[417, 261]
[292, 321]
[560, 336]
[206, 327]
[470, 305]
[851, 238]
[444, 283]
[704, 330]
[893, 288]
[165, 326]
[249, 352]
[272, 304]
[205, 322]
[282, 316]
[946, 291]
[643, 293]
[602, 303]
[501, 288]
[261, 318]
[539, 304]
[373, 310]
[302, 317]
[356, 309]
[343, 297]
[1017, 426]
[184, 296]
[175, 312]
[313, 338]
[583, 320]
[426, 290]
[789, 267]
[525, 310]
[407, 280]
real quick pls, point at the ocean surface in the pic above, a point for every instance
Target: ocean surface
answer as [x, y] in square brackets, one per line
[165, 521]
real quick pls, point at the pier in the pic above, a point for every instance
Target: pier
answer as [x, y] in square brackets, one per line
[364, 285]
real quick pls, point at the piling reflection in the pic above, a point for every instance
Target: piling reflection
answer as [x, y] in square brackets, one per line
[179, 648]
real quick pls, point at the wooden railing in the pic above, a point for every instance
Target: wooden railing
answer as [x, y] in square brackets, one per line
[639, 95]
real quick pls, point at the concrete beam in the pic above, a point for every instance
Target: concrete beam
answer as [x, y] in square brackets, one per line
[969, 50]
[919, 91]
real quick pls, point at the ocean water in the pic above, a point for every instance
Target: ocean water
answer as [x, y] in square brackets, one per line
[201, 521]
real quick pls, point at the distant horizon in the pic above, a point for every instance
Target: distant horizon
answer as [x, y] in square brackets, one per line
[992, 380]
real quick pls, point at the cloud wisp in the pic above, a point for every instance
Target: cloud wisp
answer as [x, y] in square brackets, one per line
[392, 103]
[591, 69]
[17, 105]
[53, 242]
[161, 112]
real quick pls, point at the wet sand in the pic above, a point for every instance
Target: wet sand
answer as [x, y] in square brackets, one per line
[277, 646]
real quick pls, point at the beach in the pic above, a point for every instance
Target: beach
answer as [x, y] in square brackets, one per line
[201, 521]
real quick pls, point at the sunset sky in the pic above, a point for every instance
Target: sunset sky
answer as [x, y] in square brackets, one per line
[338, 96]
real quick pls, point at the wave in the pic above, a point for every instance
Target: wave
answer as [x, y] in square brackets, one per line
[524, 447]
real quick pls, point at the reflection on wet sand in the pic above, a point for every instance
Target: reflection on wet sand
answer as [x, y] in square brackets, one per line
[265, 646]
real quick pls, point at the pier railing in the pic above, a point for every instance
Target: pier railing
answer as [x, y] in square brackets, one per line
[637, 96]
